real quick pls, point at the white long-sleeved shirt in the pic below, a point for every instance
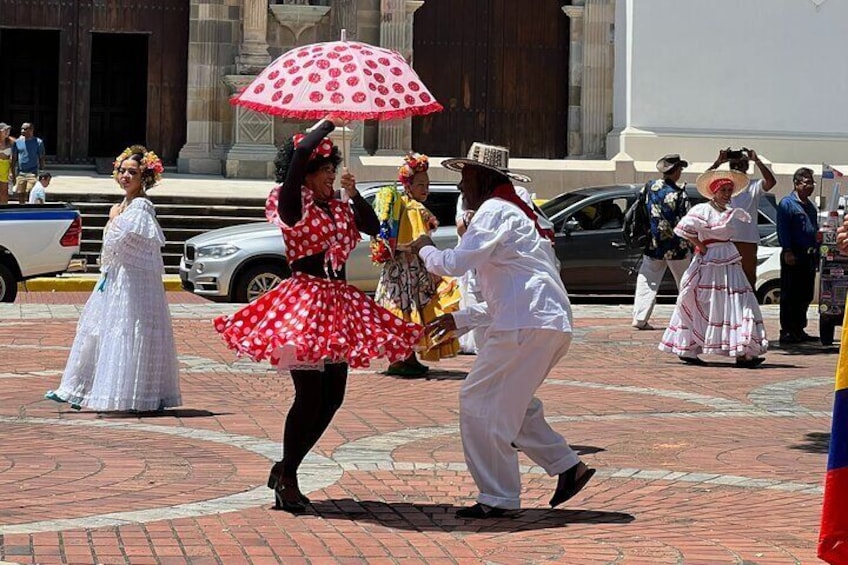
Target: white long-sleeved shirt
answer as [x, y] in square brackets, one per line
[516, 271]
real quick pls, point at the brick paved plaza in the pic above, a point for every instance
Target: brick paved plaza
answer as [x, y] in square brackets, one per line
[696, 465]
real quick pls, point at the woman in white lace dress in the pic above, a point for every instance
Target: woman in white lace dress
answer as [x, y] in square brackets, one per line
[717, 311]
[124, 357]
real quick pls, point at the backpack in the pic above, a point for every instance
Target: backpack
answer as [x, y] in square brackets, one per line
[637, 226]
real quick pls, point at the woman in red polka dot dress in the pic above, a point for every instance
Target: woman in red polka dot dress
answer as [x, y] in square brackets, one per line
[314, 323]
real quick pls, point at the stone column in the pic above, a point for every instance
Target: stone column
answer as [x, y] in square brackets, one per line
[575, 78]
[253, 151]
[596, 92]
[213, 29]
[253, 52]
[395, 137]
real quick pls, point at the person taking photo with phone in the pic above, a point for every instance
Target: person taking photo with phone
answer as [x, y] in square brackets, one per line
[746, 236]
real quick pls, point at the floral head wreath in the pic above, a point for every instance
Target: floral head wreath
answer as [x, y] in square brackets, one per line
[324, 149]
[150, 165]
[412, 163]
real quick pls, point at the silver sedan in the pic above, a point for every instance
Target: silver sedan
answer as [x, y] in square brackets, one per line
[240, 263]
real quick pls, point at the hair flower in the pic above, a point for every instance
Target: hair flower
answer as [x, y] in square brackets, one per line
[150, 164]
[412, 163]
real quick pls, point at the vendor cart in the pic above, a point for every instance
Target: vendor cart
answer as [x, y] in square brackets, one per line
[833, 284]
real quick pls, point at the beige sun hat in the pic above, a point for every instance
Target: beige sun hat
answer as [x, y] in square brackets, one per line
[487, 156]
[668, 162]
[705, 180]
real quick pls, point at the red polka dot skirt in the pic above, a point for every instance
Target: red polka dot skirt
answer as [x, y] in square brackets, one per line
[314, 321]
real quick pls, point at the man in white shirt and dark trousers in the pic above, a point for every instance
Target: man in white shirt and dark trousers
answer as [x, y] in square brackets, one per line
[529, 317]
[748, 233]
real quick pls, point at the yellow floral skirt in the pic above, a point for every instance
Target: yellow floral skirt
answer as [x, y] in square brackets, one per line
[408, 291]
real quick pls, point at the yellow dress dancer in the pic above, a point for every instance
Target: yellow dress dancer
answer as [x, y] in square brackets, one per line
[405, 287]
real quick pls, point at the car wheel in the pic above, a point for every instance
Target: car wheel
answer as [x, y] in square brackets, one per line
[769, 293]
[257, 280]
[8, 285]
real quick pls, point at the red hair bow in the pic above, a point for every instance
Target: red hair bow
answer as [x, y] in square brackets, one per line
[324, 149]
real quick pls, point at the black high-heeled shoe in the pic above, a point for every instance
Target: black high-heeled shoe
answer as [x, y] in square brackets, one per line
[288, 497]
[275, 475]
[280, 484]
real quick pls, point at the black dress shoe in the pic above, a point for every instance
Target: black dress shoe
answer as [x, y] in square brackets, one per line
[569, 485]
[697, 361]
[483, 512]
[804, 336]
[789, 338]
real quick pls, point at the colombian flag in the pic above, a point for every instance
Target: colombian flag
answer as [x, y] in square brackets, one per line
[829, 172]
[833, 536]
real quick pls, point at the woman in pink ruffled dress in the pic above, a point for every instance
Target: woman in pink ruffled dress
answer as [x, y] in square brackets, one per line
[717, 312]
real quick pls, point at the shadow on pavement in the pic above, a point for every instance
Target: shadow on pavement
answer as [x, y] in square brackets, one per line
[445, 375]
[433, 375]
[814, 442]
[177, 413]
[440, 517]
[804, 348]
[587, 449]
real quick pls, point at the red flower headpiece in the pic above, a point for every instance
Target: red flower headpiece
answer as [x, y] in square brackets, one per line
[719, 183]
[324, 149]
[413, 163]
[149, 162]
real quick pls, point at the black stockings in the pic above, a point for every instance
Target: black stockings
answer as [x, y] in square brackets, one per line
[317, 397]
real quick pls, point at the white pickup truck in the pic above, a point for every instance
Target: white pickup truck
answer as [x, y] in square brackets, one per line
[36, 240]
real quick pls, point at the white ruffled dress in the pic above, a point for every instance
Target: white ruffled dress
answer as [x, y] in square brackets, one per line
[717, 312]
[124, 356]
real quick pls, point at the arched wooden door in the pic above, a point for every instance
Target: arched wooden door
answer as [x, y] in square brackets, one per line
[500, 68]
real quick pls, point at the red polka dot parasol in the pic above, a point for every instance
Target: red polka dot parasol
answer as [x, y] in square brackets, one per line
[348, 79]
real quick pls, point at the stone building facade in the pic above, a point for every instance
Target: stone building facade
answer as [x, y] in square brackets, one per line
[230, 41]
[537, 80]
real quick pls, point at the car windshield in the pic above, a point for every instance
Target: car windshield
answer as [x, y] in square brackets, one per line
[441, 203]
[553, 207]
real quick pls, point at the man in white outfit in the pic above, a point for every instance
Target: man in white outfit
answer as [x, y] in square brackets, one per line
[666, 203]
[469, 290]
[528, 314]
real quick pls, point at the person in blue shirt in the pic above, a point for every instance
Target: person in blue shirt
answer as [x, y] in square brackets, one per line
[27, 160]
[797, 226]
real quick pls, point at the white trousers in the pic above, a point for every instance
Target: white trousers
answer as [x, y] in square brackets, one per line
[469, 294]
[497, 408]
[648, 281]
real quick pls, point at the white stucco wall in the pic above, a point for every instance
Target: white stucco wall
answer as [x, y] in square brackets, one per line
[772, 73]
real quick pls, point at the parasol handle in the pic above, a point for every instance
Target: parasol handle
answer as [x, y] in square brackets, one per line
[344, 35]
[345, 197]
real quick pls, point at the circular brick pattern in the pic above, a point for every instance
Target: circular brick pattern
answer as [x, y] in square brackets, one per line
[695, 466]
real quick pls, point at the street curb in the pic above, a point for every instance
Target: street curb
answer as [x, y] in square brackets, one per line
[84, 283]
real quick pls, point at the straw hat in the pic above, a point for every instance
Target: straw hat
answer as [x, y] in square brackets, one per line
[491, 157]
[668, 162]
[740, 182]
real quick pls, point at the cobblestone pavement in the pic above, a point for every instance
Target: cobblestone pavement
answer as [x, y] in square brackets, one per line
[696, 465]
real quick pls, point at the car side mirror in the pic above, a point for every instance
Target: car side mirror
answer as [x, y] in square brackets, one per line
[570, 226]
